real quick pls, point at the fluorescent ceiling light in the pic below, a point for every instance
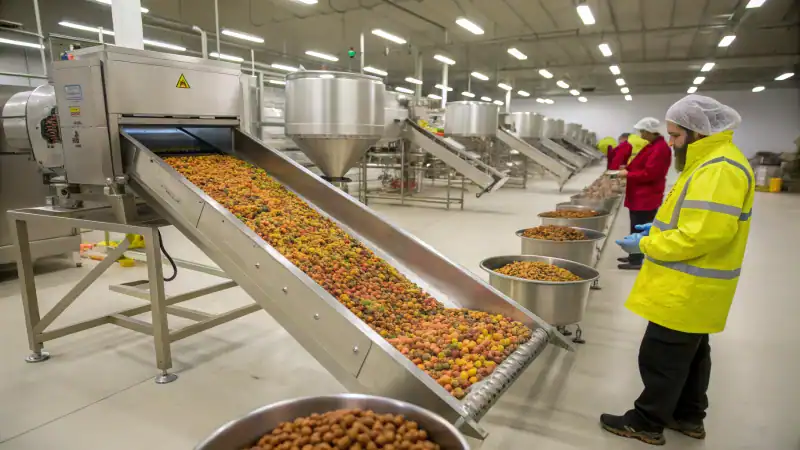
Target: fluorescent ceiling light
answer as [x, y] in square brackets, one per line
[225, 57]
[707, 67]
[545, 73]
[562, 84]
[321, 55]
[549, 101]
[785, 76]
[78, 26]
[614, 69]
[307, 2]
[444, 59]
[388, 36]
[468, 94]
[413, 80]
[620, 82]
[586, 14]
[583, 99]
[164, 45]
[628, 98]
[281, 82]
[486, 99]
[523, 93]
[726, 40]
[691, 90]
[517, 54]
[469, 25]
[504, 86]
[539, 100]
[20, 43]
[755, 4]
[440, 86]
[605, 49]
[574, 92]
[435, 97]
[403, 90]
[479, 76]
[498, 102]
[242, 36]
[699, 80]
[284, 67]
[625, 90]
[376, 71]
[144, 10]
[758, 88]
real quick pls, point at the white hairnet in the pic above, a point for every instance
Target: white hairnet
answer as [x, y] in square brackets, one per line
[703, 115]
[650, 124]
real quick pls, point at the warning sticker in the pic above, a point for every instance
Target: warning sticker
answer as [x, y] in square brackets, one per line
[182, 83]
[74, 111]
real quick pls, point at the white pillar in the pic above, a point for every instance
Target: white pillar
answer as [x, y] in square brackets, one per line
[444, 84]
[127, 16]
[508, 101]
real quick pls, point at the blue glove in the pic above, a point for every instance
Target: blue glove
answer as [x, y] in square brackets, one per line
[630, 244]
[645, 229]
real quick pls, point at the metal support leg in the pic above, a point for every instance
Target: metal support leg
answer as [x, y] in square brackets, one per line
[30, 302]
[596, 285]
[578, 335]
[155, 277]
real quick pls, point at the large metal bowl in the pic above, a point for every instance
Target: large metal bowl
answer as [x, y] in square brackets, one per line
[607, 203]
[246, 431]
[597, 223]
[583, 251]
[557, 303]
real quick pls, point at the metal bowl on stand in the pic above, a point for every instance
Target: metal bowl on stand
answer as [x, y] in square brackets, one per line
[583, 251]
[606, 203]
[246, 431]
[557, 303]
[597, 223]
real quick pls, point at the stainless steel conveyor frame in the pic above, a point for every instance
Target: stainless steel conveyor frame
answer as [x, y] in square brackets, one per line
[559, 171]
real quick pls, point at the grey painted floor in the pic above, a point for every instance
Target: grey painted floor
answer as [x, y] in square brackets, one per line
[97, 390]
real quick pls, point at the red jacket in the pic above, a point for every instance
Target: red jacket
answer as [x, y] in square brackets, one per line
[621, 155]
[647, 176]
[610, 156]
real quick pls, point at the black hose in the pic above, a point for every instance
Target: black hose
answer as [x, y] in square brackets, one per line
[169, 258]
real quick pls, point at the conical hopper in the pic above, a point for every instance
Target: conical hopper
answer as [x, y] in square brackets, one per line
[334, 117]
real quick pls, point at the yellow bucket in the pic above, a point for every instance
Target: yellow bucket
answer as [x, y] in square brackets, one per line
[775, 184]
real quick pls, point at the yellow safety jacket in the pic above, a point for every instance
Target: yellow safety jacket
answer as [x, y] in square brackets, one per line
[637, 144]
[605, 143]
[694, 252]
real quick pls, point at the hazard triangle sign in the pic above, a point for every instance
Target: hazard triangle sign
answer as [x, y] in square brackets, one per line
[182, 83]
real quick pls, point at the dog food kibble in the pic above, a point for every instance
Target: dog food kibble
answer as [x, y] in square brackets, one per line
[554, 233]
[457, 347]
[352, 429]
[539, 271]
[570, 214]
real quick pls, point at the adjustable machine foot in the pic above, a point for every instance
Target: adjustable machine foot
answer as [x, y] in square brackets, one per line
[166, 377]
[578, 335]
[37, 357]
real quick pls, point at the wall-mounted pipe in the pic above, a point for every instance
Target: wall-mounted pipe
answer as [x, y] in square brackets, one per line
[41, 39]
[203, 40]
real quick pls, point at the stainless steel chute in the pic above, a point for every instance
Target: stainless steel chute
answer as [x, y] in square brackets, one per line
[572, 138]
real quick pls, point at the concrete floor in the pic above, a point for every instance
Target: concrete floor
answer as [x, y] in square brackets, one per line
[97, 391]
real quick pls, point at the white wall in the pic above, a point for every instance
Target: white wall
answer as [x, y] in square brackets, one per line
[770, 119]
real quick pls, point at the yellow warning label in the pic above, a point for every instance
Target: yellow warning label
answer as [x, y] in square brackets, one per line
[182, 83]
[74, 111]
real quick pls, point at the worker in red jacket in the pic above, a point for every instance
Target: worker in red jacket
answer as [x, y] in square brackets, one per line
[618, 157]
[646, 177]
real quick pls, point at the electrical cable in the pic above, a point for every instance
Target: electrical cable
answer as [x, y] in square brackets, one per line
[169, 258]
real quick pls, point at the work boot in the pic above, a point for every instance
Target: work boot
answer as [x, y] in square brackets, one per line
[629, 266]
[693, 430]
[624, 259]
[621, 426]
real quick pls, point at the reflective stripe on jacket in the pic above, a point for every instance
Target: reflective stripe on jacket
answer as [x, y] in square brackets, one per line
[695, 249]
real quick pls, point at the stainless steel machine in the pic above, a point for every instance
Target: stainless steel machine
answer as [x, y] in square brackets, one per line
[574, 137]
[29, 151]
[114, 141]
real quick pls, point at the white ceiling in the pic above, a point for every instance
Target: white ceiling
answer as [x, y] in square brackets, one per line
[660, 45]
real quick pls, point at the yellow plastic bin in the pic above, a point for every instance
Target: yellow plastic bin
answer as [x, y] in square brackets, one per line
[775, 184]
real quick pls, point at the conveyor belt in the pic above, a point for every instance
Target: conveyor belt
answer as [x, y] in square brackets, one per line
[573, 158]
[553, 166]
[349, 349]
[590, 152]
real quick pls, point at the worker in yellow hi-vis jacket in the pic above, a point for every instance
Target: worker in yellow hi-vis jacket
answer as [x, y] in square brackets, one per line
[693, 257]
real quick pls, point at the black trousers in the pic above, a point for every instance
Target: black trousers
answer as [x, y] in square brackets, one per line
[675, 369]
[640, 218]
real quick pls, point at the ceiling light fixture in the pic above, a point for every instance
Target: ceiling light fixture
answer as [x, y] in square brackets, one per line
[504, 86]
[321, 55]
[545, 73]
[164, 45]
[517, 54]
[468, 94]
[625, 90]
[523, 93]
[755, 4]
[388, 36]
[614, 70]
[78, 26]
[413, 80]
[435, 97]
[19, 43]
[486, 99]
[479, 76]
[539, 100]
[758, 88]
[562, 84]
[586, 14]
[376, 71]
[469, 25]
[691, 90]
[403, 90]
[440, 86]
[225, 57]
[143, 9]
[628, 98]
[242, 36]
[707, 67]
[307, 2]
[549, 101]
[574, 92]
[620, 82]
[605, 49]
[498, 102]
[726, 40]
[784, 76]
[281, 82]
[284, 67]
[699, 80]
[583, 99]
[444, 59]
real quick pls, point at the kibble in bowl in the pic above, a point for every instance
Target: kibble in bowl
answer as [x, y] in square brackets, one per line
[554, 233]
[538, 271]
[570, 214]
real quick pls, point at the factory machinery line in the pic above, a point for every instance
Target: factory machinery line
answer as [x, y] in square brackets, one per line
[113, 177]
